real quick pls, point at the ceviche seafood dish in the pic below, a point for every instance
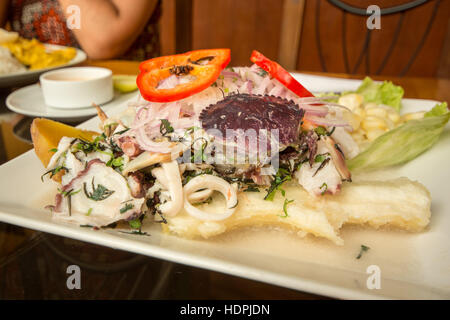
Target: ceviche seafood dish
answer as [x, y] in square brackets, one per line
[207, 149]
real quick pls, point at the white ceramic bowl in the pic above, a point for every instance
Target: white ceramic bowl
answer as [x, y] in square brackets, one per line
[79, 87]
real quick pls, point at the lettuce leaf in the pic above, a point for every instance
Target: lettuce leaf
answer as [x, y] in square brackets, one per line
[381, 93]
[438, 110]
[403, 143]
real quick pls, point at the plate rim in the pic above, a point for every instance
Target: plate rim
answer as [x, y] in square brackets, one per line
[83, 111]
[31, 113]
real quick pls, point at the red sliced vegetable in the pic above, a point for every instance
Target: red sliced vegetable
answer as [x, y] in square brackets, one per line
[279, 73]
[200, 67]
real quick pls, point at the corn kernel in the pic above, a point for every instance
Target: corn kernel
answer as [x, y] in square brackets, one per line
[358, 136]
[360, 112]
[373, 134]
[377, 112]
[373, 123]
[353, 119]
[351, 101]
[370, 105]
[413, 116]
[394, 117]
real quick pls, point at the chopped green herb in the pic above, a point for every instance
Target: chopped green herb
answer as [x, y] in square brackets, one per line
[86, 226]
[282, 176]
[251, 189]
[301, 163]
[320, 158]
[106, 153]
[135, 224]
[98, 193]
[99, 138]
[165, 127]
[136, 232]
[331, 132]
[109, 125]
[88, 147]
[286, 202]
[53, 150]
[322, 165]
[261, 72]
[115, 162]
[118, 162]
[192, 174]
[283, 171]
[122, 131]
[128, 206]
[89, 212]
[321, 131]
[53, 172]
[69, 192]
[323, 188]
[363, 249]
[199, 155]
[338, 148]
[192, 129]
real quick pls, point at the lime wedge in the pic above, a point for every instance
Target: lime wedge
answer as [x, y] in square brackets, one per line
[124, 83]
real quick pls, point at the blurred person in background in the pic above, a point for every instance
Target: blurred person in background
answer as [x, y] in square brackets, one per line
[108, 29]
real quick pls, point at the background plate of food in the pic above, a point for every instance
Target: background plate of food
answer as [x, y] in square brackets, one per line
[22, 61]
[407, 264]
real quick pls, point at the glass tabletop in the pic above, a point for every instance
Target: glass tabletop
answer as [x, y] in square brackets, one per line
[37, 265]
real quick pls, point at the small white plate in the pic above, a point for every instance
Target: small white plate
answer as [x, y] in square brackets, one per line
[19, 79]
[413, 265]
[30, 101]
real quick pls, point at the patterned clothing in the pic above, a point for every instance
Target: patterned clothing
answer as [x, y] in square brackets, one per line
[45, 21]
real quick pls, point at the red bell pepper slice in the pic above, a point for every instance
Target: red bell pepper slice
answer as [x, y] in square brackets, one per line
[279, 73]
[203, 65]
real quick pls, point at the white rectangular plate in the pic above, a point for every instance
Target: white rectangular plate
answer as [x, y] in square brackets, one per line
[413, 265]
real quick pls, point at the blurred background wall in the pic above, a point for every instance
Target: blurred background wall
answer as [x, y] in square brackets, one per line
[316, 35]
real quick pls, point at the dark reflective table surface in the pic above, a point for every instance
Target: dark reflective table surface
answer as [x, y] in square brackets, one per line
[34, 265]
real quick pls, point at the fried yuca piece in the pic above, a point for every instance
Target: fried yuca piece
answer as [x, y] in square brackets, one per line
[399, 203]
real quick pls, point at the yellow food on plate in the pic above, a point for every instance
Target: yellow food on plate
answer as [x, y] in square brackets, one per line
[36, 55]
[46, 135]
[371, 120]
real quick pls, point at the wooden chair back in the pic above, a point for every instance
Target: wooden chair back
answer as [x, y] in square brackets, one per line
[317, 35]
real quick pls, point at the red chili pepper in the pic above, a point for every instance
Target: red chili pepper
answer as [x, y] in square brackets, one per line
[279, 73]
[203, 65]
